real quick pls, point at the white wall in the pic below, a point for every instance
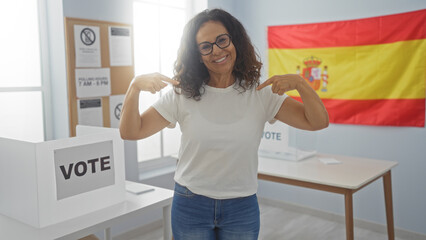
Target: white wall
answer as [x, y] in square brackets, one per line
[223, 4]
[120, 11]
[402, 144]
[57, 71]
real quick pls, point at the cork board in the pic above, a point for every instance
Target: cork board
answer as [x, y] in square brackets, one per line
[120, 76]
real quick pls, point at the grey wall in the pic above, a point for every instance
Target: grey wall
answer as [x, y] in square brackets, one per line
[405, 145]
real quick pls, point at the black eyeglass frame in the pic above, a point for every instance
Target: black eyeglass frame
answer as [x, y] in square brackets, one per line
[215, 43]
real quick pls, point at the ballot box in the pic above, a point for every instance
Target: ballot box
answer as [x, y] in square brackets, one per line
[43, 183]
[281, 141]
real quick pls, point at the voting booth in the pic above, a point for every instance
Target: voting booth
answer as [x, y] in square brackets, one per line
[281, 141]
[48, 182]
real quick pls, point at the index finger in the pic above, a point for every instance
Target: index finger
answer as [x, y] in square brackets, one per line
[169, 80]
[264, 84]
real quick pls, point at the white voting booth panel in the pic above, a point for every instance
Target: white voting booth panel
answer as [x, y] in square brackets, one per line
[281, 141]
[48, 182]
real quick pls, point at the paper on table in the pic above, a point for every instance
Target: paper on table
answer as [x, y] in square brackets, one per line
[329, 161]
[138, 189]
[287, 153]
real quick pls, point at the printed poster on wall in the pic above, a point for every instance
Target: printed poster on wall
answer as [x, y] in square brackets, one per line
[87, 46]
[90, 112]
[120, 46]
[115, 105]
[93, 82]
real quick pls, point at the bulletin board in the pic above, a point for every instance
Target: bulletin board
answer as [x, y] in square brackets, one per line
[120, 75]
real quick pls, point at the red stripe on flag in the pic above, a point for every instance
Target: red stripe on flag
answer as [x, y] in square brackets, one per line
[367, 31]
[390, 112]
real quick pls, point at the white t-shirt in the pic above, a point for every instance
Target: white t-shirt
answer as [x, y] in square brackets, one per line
[220, 137]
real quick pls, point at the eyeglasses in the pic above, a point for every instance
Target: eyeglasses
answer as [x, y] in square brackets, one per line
[222, 41]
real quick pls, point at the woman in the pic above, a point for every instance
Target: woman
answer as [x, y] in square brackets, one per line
[221, 110]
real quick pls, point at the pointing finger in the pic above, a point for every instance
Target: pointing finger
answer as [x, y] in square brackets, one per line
[163, 84]
[169, 80]
[264, 84]
[157, 87]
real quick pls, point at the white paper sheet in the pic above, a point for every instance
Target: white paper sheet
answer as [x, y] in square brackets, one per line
[94, 82]
[87, 46]
[90, 112]
[115, 105]
[138, 188]
[329, 160]
[120, 46]
[288, 153]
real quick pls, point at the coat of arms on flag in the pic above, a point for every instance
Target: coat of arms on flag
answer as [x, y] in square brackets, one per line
[369, 71]
[312, 72]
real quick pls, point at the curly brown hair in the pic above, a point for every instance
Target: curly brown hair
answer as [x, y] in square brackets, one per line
[193, 75]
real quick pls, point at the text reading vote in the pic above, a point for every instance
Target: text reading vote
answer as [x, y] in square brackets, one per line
[81, 167]
[272, 135]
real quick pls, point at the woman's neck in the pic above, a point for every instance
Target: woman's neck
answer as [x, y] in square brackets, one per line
[221, 81]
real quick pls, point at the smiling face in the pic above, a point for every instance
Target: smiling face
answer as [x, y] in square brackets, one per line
[220, 62]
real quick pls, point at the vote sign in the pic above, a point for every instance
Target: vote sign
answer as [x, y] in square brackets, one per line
[83, 168]
[274, 138]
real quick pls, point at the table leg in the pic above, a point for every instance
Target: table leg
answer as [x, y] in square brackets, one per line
[107, 234]
[349, 218]
[387, 185]
[167, 222]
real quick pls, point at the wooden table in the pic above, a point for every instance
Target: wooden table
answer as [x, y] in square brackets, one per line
[347, 177]
[103, 219]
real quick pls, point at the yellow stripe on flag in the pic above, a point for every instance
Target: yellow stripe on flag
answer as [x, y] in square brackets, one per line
[383, 71]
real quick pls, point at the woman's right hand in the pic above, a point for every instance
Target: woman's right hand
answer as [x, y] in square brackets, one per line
[134, 125]
[153, 82]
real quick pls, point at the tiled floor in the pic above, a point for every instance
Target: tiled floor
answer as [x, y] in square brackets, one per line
[283, 224]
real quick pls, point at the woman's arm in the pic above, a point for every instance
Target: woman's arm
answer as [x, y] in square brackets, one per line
[309, 115]
[133, 125]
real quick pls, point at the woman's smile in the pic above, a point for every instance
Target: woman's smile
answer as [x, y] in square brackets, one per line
[221, 60]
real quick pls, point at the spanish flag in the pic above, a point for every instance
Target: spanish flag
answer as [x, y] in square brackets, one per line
[368, 71]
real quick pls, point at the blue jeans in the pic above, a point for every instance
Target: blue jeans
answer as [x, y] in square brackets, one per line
[196, 217]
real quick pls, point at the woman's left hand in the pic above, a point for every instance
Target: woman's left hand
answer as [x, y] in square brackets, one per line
[282, 83]
[310, 114]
